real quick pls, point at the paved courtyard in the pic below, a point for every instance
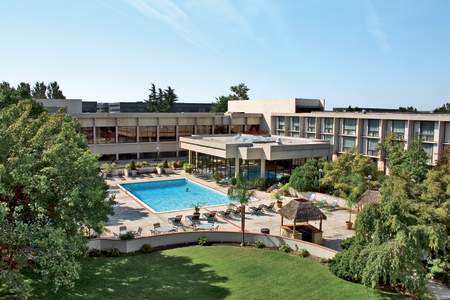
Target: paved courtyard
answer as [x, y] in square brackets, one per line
[133, 214]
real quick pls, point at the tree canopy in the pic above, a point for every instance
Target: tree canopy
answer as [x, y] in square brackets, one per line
[238, 92]
[305, 178]
[399, 240]
[39, 91]
[160, 100]
[54, 91]
[444, 109]
[50, 193]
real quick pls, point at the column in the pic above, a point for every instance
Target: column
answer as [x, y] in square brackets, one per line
[95, 130]
[190, 156]
[318, 126]
[336, 141]
[440, 140]
[263, 168]
[359, 133]
[236, 167]
[196, 160]
[381, 160]
[117, 131]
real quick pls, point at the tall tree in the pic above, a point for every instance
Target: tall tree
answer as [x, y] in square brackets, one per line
[160, 100]
[444, 109]
[50, 192]
[54, 91]
[407, 109]
[239, 92]
[24, 90]
[410, 164]
[241, 192]
[305, 178]
[39, 91]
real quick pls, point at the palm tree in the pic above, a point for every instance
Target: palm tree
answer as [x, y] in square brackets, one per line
[241, 192]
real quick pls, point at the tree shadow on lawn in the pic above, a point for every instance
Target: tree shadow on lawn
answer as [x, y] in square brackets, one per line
[146, 276]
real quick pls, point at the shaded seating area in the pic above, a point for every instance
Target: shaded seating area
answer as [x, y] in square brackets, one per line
[369, 196]
[300, 211]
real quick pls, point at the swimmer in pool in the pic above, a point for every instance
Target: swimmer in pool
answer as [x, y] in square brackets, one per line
[187, 190]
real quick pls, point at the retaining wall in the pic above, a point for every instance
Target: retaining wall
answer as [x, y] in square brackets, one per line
[189, 238]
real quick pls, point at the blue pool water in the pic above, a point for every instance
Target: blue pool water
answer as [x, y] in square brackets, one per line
[168, 195]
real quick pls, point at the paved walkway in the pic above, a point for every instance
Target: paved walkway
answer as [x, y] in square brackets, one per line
[132, 214]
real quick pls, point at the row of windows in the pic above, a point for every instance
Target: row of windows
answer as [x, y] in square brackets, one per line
[128, 134]
[371, 128]
[144, 155]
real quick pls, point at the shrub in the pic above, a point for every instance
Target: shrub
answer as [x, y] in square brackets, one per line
[165, 164]
[217, 176]
[260, 244]
[132, 165]
[203, 241]
[233, 181]
[259, 183]
[146, 248]
[285, 248]
[94, 253]
[127, 236]
[113, 252]
[324, 261]
[187, 167]
[345, 244]
[303, 253]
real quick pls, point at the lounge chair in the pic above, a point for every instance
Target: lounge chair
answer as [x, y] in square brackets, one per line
[155, 225]
[269, 207]
[123, 230]
[210, 214]
[256, 210]
[138, 232]
[237, 210]
[193, 219]
[226, 213]
[176, 220]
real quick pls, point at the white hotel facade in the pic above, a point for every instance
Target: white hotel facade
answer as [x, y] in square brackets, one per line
[124, 136]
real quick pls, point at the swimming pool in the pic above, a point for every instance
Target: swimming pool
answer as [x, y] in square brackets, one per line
[177, 194]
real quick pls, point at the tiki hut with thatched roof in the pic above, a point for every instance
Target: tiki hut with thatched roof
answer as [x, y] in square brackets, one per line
[299, 211]
[369, 196]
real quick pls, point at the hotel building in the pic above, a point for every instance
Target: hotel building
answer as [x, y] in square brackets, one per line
[295, 121]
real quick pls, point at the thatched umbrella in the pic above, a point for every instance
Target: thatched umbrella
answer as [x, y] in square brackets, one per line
[369, 196]
[298, 211]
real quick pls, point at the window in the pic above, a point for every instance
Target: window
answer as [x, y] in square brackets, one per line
[398, 129]
[148, 155]
[327, 125]
[127, 156]
[310, 135]
[328, 137]
[373, 128]
[427, 131]
[88, 133]
[295, 134]
[167, 154]
[127, 134]
[348, 143]
[107, 157]
[310, 124]
[428, 148]
[295, 124]
[220, 129]
[372, 147]
[167, 133]
[447, 133]
[281, 123]
[185, 130]
[349, 127]
[237, 128]
[147, 134]
[204, 129]
[106, 135]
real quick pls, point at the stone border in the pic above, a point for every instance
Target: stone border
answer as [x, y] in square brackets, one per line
[178, 239]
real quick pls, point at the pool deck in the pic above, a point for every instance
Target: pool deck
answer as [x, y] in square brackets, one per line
[133, 214]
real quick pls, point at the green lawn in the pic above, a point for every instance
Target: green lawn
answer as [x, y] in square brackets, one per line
[215, 272]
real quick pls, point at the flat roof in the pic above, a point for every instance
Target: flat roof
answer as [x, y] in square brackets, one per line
[247, 146]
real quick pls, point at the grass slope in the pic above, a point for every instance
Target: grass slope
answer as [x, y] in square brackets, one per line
[216, 272]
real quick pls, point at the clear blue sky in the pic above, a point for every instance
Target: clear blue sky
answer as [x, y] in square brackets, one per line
[364, 53]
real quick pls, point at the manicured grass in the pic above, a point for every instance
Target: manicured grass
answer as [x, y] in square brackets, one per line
[215, 272]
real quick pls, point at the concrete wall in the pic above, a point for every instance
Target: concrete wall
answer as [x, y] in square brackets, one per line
[189, 238]
[70, 106]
